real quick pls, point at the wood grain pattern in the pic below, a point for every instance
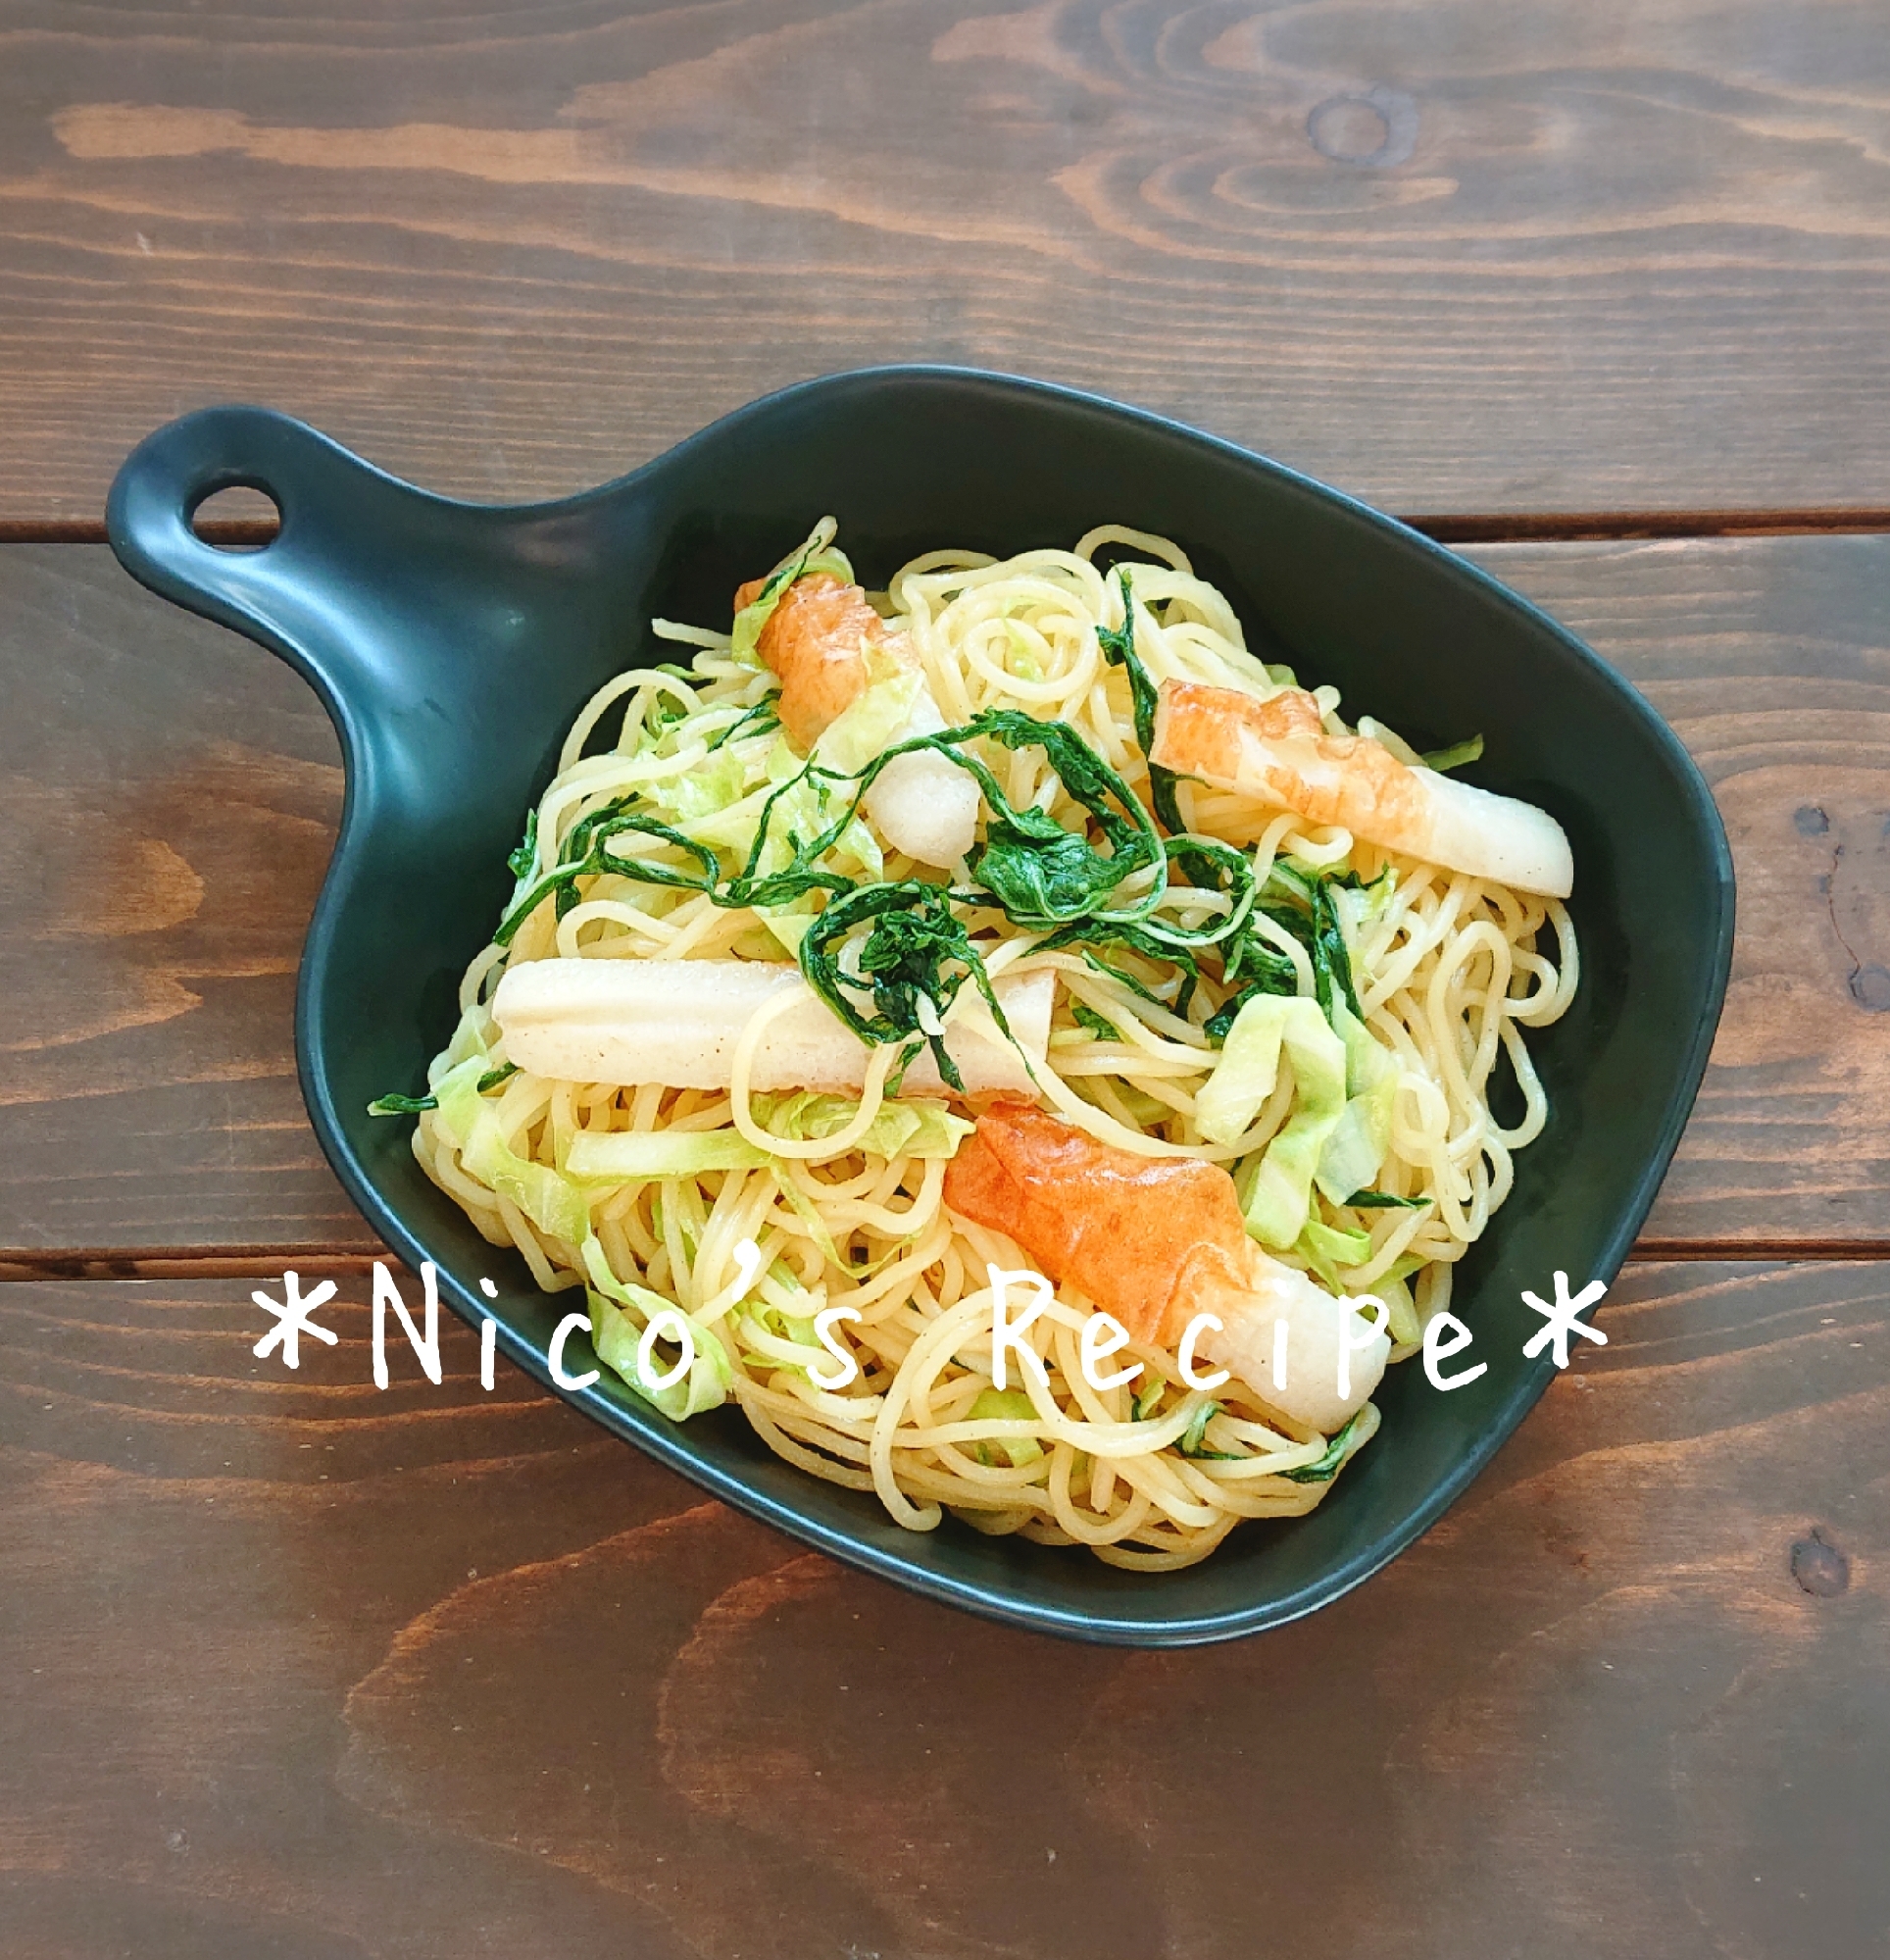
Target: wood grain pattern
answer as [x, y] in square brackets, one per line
[302, 1668]
[150, 1101]
[171, 796]
[292, 1666]
[1472, 256]
[1772, 660]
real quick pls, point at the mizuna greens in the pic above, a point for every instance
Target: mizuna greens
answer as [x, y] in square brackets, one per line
[1035, 870]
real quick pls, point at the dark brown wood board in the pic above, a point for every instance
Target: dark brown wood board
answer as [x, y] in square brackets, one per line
[292, 1666]
[168, 795]
[1772, 659]
[1476, 257]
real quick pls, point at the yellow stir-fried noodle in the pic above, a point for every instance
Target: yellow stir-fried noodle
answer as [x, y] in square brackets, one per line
[1449, 971]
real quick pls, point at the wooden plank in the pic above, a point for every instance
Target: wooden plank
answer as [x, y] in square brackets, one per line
[300, 1667]
[1772, 659]
[171, 795]
[1489, 258]
[168, 795]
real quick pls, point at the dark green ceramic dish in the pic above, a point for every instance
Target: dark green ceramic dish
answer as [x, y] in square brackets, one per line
[452, 644]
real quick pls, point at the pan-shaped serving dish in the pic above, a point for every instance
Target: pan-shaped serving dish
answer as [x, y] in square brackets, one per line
[452, 644]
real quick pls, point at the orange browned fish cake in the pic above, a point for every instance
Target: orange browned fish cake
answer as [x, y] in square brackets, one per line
[1140, 1235]
[1278, 751]
[816, 640]
[1157, 1241]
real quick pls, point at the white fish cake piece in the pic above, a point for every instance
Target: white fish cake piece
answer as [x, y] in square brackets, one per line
[1326, 1343]
[679, 1023]
[922, 804]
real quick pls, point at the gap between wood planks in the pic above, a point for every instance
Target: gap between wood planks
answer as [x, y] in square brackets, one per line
[270, 1262]
[1471, 527]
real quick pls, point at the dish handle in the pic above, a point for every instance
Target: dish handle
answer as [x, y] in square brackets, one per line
[331, 593]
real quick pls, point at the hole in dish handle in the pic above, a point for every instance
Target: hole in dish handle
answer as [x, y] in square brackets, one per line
[311, 591]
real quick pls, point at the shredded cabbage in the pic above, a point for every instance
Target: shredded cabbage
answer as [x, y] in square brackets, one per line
[1280, 1192]
[706, 791]
[803, 810]
[783, 1324]
[630, 1156]
[880, 715]
[913, 1129]
[617, 1336]
[552, 1202]
[1402, 1321]
[790, 924]
[1005, 1405]
[1327, 1247]
[1357, 1146]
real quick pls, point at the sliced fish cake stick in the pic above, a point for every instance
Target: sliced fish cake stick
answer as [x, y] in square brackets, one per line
[679, 1023]
[1154, 1242]
[1278, 751]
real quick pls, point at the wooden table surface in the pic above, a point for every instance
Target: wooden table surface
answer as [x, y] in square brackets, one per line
[290, 1666]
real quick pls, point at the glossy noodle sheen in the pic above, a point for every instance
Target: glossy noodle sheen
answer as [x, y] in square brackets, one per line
[844, 1194]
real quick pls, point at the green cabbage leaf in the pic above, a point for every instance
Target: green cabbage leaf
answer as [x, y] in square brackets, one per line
[618, 1315]
[900, 1129]
[548, 1198]
[1355, 1151]
[1278, 1193]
